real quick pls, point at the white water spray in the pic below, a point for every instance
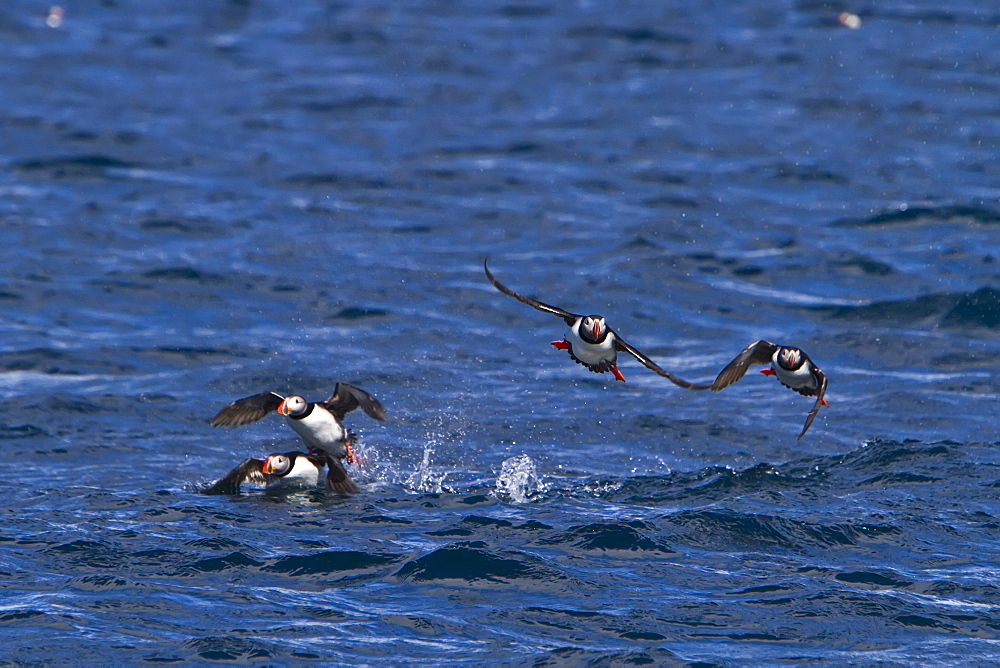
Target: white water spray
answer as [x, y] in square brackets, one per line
[519, 480]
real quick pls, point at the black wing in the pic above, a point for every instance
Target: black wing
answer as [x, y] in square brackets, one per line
[758, 352]
[568, 318]
[247, 410]
[820, 394]
[346, 398]
[251, 470]
[337, 480]
[621, 346]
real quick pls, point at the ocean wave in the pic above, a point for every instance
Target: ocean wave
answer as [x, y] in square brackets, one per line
[926, 215]
[979, 308]
[474, 562]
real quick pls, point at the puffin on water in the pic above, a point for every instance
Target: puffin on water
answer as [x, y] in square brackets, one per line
[791, 366]
[288, 469]
[318, 423]
[590, 341]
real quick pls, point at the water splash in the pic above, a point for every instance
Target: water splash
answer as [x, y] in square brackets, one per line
[519, 480]
[424, 478]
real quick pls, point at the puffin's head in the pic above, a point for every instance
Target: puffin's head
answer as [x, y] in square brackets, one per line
[790, 358]
[277, 465]
[293, 406]
[593, 329]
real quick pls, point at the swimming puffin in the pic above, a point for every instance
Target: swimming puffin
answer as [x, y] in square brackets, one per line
[288, 469]
[318, 423]
[791, 366]
[590, 341]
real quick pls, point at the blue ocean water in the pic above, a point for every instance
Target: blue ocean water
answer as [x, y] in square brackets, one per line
[200, 201]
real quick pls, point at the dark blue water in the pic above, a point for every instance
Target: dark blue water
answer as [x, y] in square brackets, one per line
[204, 200]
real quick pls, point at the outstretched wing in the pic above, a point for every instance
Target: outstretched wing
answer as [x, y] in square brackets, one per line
[568, 318]
[820, 395]
[758, 352]
[622, 346]
[337, 480]
[247, 410]
[346, 398]
[251, 470]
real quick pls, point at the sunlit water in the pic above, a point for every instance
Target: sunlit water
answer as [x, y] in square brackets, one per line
[208, 200]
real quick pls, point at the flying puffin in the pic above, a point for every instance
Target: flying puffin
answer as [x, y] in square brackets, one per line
[590, 341]
[319, 424]
[791, 366]
[289, 469]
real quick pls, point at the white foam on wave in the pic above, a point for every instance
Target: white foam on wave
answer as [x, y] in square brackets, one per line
[16, 383]
[787, 296]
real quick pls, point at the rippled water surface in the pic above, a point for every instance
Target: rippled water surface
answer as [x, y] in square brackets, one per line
[206, 200]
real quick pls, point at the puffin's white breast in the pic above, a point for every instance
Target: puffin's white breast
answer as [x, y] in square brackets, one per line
[321, 431]
[303, 474]
[591, 353]
[799, 378]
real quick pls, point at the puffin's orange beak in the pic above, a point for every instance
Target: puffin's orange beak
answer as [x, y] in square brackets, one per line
[281, 408]
[597, 330]
[267, 468]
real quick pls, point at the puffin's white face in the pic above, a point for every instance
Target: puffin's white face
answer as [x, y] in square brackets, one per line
[293, 405]
[277, 464]
[592, 328]
[790, 358]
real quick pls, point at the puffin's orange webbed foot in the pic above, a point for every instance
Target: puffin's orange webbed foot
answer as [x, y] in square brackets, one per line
[618, 374]
[561, 344]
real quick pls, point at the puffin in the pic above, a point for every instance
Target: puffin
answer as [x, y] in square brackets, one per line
[590, 342]
[318, 423]
[791, 366]
[287, 469]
